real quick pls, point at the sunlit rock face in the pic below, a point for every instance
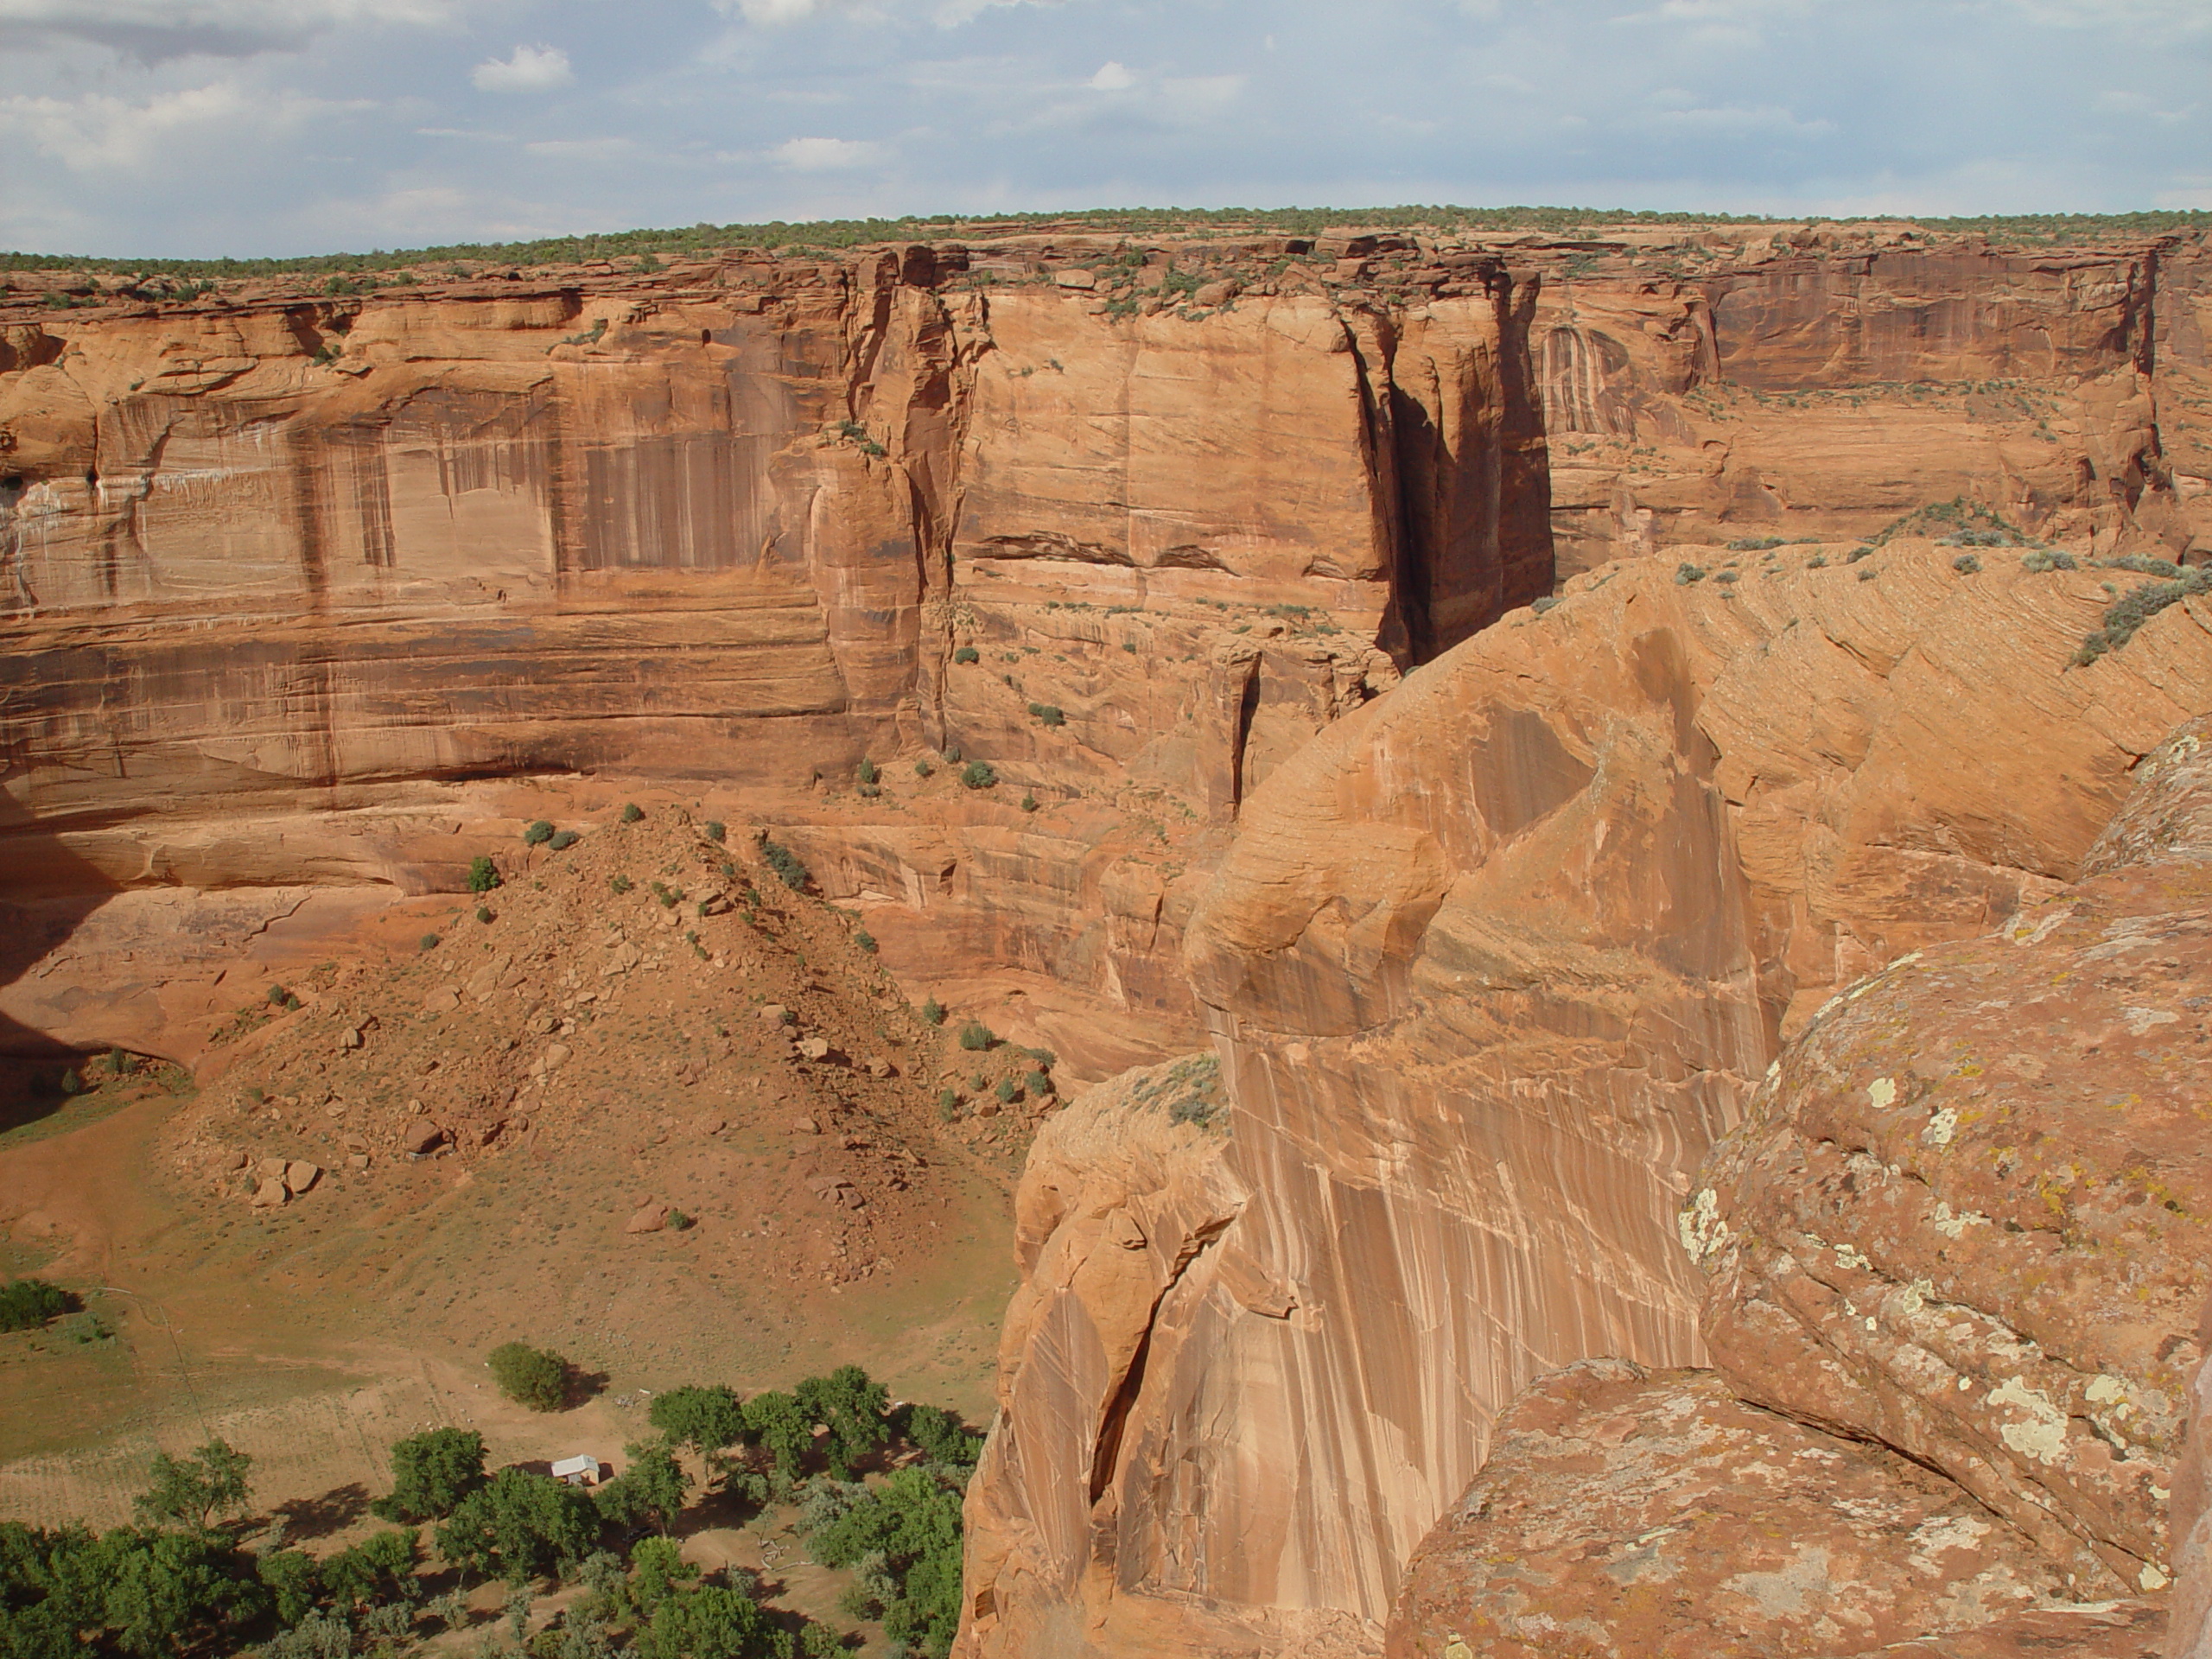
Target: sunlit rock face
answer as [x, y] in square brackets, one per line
[1490, 965]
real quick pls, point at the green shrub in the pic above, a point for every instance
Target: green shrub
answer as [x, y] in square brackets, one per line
[1005, 1091]
[431, 1472]
[967, 654]
[868, 773]
[977, 774]
[25, 1303]
[922, 768]
[631, 812]
[1686, 574]
[1966, 565]
[680, 1221]
[866, 940]
[1048, 714]
[2131, 610]
[562, 841]
[483, 913]
[948, 1105]
[717, 830]
[483, 874]
[427, 942]
[537, 835]
[536, 1377]
[952, 755]
[975, 1036]
[933, 1012]
[785, 864]
[1037, 1085]
[71, 1083]
[619, 885]
[1029, 803]
[2048, 558]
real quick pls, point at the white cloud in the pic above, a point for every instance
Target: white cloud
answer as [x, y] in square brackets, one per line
[1113, 77]
[826, 155]
[775, 11]
[155, 31]
[531, 69]
[100, 131]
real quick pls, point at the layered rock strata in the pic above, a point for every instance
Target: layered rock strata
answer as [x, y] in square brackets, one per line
[1962, 1222]
[1491, 964]
[277, 555]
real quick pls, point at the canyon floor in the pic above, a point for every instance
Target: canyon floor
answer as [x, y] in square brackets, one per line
[675, 1146]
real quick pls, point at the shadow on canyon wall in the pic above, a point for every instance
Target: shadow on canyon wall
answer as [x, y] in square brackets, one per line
[46, 892]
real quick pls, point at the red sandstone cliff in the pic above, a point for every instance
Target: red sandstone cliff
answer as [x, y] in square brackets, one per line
[293, 581]
[1490, 965]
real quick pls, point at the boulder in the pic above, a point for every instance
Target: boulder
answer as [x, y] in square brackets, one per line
[1942, 1196]
[648, 1219]
[421, 1138]
[1630, 1513]
[300, 1176]
[814, 1048]
[268, 1194]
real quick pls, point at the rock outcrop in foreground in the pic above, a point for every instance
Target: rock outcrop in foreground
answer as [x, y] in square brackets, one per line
[1961, 1234]
[1493, 963]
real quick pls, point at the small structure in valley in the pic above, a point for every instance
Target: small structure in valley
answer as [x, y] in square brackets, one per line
[582, 1470]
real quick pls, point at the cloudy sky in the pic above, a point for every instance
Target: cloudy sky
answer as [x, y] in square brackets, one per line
[200, 127]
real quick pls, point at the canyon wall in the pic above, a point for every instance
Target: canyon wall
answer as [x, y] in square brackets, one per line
[1203, 548]
[1490, 965]
[283, 563]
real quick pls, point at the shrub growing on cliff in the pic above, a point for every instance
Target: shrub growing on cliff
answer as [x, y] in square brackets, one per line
[923, 768]
[933, 1012]
[427, 942]
[785, 864]
[537, 1377]
[866, 940]
[537, 835]
[975, 1036]
[717, 830]
[483, 874]
[1966, 565]
[1037, 1084]
[484, 913]
[869, 773]
[978, 774]
[2131, 610]
[562, 841]
[1005, 1091]
[631, 812]
[1048, 714]
[967, 654]
[1029, 803]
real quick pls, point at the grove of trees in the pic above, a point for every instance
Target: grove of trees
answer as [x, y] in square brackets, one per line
[878, 1491]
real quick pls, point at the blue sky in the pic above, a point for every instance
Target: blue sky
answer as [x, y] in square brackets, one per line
[200, 127]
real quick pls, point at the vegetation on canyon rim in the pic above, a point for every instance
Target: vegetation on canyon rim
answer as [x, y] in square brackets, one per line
[779, 235]
[191, 1576]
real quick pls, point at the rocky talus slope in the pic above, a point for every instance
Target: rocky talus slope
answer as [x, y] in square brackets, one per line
[1492, 965]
